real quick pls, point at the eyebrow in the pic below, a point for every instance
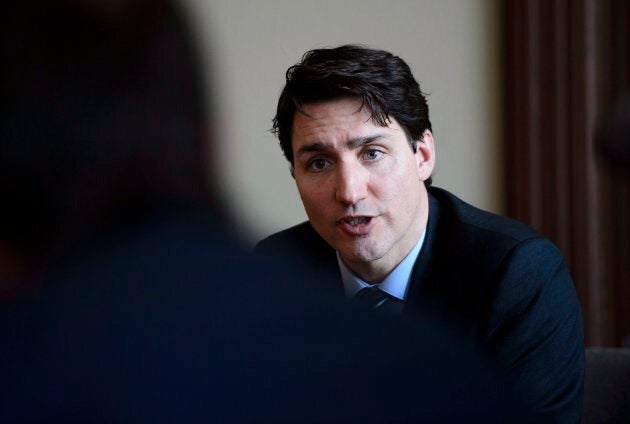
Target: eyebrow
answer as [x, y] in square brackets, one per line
[353, 143]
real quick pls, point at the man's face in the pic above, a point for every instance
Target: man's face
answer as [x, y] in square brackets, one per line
[361, 184]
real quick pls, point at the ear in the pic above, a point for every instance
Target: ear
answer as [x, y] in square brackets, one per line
[425, 155]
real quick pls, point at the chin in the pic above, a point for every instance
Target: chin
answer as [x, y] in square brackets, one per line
[360, 254]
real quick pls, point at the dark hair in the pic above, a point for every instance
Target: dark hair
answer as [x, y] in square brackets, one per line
[101, 119]
[381, 81]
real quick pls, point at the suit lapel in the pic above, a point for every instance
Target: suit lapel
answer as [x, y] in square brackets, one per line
[421, 275]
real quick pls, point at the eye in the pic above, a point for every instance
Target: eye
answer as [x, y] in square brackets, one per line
[372, 154]
[318, 164]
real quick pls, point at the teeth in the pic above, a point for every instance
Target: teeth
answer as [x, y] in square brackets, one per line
[357, 220]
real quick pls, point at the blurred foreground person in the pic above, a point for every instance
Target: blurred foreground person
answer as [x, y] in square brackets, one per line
[125, 297]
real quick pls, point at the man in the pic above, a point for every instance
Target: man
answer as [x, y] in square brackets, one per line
[140, 306]
[355, 128]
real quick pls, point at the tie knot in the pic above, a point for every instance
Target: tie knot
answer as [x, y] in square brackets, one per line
[374, 298]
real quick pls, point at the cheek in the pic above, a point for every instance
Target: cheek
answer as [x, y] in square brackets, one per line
[313, 194]
[387, 188]
[393, 178]
[398, 191]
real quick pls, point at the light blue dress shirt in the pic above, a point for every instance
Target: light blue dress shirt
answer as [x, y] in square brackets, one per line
[395, 284]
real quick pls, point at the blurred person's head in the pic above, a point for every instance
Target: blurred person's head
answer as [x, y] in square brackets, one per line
[101, 121]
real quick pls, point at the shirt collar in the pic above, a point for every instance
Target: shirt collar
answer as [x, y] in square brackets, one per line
[395, 284]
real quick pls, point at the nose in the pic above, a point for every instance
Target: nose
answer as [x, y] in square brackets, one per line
[352, 184]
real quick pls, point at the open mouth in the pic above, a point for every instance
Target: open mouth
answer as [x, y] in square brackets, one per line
[357, 220]
[357, 225]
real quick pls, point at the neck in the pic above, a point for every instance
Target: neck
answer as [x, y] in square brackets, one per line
[375, 272]
[370, 274]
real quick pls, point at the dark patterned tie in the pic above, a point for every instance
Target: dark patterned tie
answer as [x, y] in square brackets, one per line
[376, 299]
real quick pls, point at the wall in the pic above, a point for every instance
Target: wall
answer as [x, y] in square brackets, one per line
[452, 47]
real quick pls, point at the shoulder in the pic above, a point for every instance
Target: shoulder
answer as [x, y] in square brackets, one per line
[301, 236]
[493, 248]
[481, 239]
[295, 234]
[502, 265]
[470, 219]
[301, 247]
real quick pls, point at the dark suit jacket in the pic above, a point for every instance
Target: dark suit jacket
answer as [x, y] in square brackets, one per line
[503, 283]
